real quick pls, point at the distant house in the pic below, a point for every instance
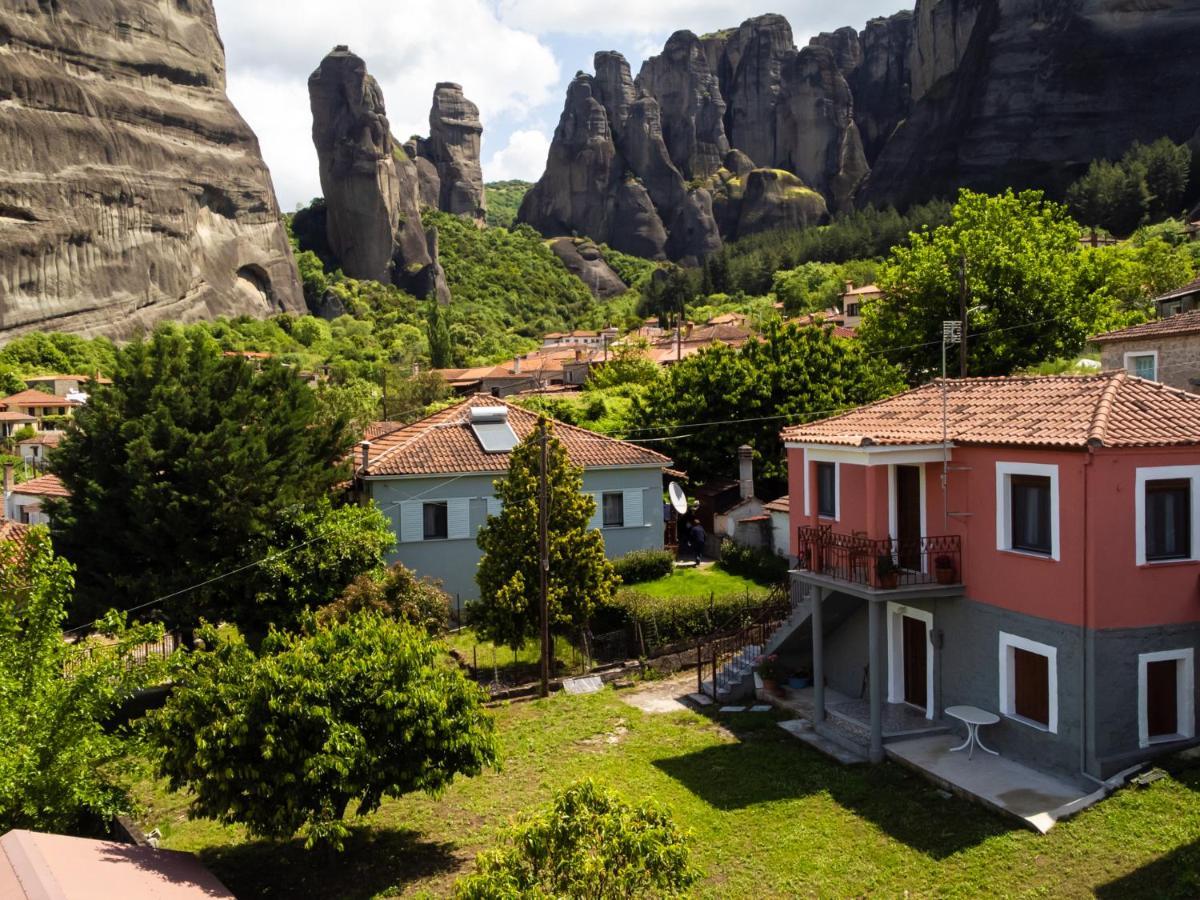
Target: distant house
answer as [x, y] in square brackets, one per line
[63, 385]
[12, 421]
[779, 510]
[434, 479]
[23, 502]
[605, 337]
[1166, 349]
[853, 299]
[38, 866]
[36, 450]
[540, 369]
[38, 404]
[743, 519]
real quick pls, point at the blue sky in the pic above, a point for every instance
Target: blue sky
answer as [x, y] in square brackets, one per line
[514, 58]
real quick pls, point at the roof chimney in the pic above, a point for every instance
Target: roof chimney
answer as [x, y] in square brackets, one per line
[746, 471]
[365, 450]
[516, 365]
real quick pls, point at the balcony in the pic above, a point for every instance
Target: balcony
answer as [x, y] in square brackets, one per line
[880, 566]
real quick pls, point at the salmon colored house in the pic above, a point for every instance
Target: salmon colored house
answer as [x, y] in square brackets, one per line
[1026, 546]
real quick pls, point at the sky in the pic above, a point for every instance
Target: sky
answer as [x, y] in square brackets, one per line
[514, 59]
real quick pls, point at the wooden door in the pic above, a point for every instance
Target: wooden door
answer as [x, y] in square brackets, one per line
[1162, 697]
[1031, 686]
[916, 661]
[908, 516]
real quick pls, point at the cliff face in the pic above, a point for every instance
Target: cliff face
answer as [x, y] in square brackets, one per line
[447, 161]
[980, 93]
[130, 188]
[372, 189]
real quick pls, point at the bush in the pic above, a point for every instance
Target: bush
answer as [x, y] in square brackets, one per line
[758, 565]
[664, 620]
[399, 594]
[644, 565]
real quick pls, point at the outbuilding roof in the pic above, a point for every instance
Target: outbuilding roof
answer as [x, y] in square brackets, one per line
[445, 443]
[1111, 409]
[1178, 324]
[42, 486]
[34, 397]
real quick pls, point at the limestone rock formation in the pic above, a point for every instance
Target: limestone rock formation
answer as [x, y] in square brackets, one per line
[130, 189]
[372, 189]
[451, 178]
[584, 260]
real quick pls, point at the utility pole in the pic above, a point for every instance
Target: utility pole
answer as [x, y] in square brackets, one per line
[544, 552]
[962, 316]
[679, 331]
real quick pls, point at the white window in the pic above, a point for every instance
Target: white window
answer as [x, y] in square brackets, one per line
[1166, 513]
[435, 520]
[1029, 682]
[1143, 364]
[1027, 518]
[1166, 692]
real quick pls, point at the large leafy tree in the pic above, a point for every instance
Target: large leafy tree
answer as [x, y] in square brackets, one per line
[1019, 254]
[194, 466]
[57, 756]
[589, 843]
[283, 741]
[711, 403]
[580, 575]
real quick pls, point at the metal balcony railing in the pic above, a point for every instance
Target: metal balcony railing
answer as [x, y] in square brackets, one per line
[881, 563]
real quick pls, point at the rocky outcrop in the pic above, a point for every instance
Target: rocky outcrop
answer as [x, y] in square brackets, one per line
[980, 93]
[130, 189]
[451, 178]
[585, 261]
[372, 189]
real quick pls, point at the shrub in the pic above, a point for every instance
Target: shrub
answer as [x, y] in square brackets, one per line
[644, 565]
[754, 563]
[664, 620]
[399, 594]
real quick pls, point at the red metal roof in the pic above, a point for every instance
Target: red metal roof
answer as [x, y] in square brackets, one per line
[444, 443]
[1111, 409]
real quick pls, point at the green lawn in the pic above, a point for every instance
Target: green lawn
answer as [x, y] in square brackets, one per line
[769, 817]
[511, 667]
[690, 582]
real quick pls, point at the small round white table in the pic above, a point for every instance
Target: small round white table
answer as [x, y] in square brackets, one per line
[972, 717]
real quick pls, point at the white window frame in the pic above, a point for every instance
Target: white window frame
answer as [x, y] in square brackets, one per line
[1163, 473]
[1185, 710]
[1004, 473]
[1130, 355]
[1009, 642]
[837, 491]
[895, 643]
[604, 494]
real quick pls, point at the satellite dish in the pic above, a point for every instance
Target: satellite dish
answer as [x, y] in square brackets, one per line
[678, 500]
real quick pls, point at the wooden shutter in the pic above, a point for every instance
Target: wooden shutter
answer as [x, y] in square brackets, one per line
[1162, 697]
[1031, 686]
[598, 514]
[412, 521]
[458, 518]
[633, 509]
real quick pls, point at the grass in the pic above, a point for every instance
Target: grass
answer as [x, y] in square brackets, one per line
[691, 582]
[769, 818]
[510, 667]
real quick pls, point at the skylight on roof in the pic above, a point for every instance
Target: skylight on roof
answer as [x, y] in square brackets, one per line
[490, 424]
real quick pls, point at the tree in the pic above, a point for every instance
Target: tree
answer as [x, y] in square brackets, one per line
[1021, 255]
[628, 363]
[591, 844]
[668, 292]
[284, 740]
[56, 751]
[711, 403]
[580, 576]
[190, 466]
[441, 352]
[1166, 166]
[397, 594]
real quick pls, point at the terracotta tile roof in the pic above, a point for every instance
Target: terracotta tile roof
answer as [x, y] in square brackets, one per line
[36, 398]
[1178, 324]
[9, 415]
[61, 377]
[12, 531]
[1111, 409]
[379, 429]
[867, 290]
[44, 438]
[444, 443]
[43, 486]
[1192, 287]
[780, 504]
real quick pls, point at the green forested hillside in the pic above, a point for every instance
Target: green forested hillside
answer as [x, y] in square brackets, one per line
[503, 200]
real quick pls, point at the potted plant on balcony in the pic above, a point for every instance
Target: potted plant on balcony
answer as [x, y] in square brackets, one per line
[944, 569]
[771, 671]
[887, 573]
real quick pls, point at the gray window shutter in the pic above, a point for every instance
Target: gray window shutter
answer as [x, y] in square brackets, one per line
[412, 522]
[458, 518]
[598, 515]
[633, 509]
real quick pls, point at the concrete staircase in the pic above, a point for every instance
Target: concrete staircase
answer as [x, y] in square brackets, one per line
[735, 680]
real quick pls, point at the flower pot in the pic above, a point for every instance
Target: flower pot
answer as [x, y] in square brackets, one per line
[945, 574]
[771, 686]
[889, 581]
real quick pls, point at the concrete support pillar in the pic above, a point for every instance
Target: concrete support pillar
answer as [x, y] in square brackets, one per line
[875, 643]
[818, 656]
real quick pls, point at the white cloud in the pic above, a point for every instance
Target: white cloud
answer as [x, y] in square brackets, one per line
[272, 47]
[523, 157]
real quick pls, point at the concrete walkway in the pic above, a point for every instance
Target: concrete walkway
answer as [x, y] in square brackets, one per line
[1034, 798]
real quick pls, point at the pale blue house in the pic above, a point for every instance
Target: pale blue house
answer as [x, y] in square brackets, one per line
[434, 480]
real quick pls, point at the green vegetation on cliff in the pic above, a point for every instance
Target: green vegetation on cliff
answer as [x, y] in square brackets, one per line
[503, 200]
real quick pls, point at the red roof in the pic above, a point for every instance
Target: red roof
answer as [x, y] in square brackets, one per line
[36, 398]
[12, 531]
[1178, 324]
[444, 443]
[13, 416]
[1111, 409]
[780, 504]
[379, 429]
[43, 486]
[48, 438]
